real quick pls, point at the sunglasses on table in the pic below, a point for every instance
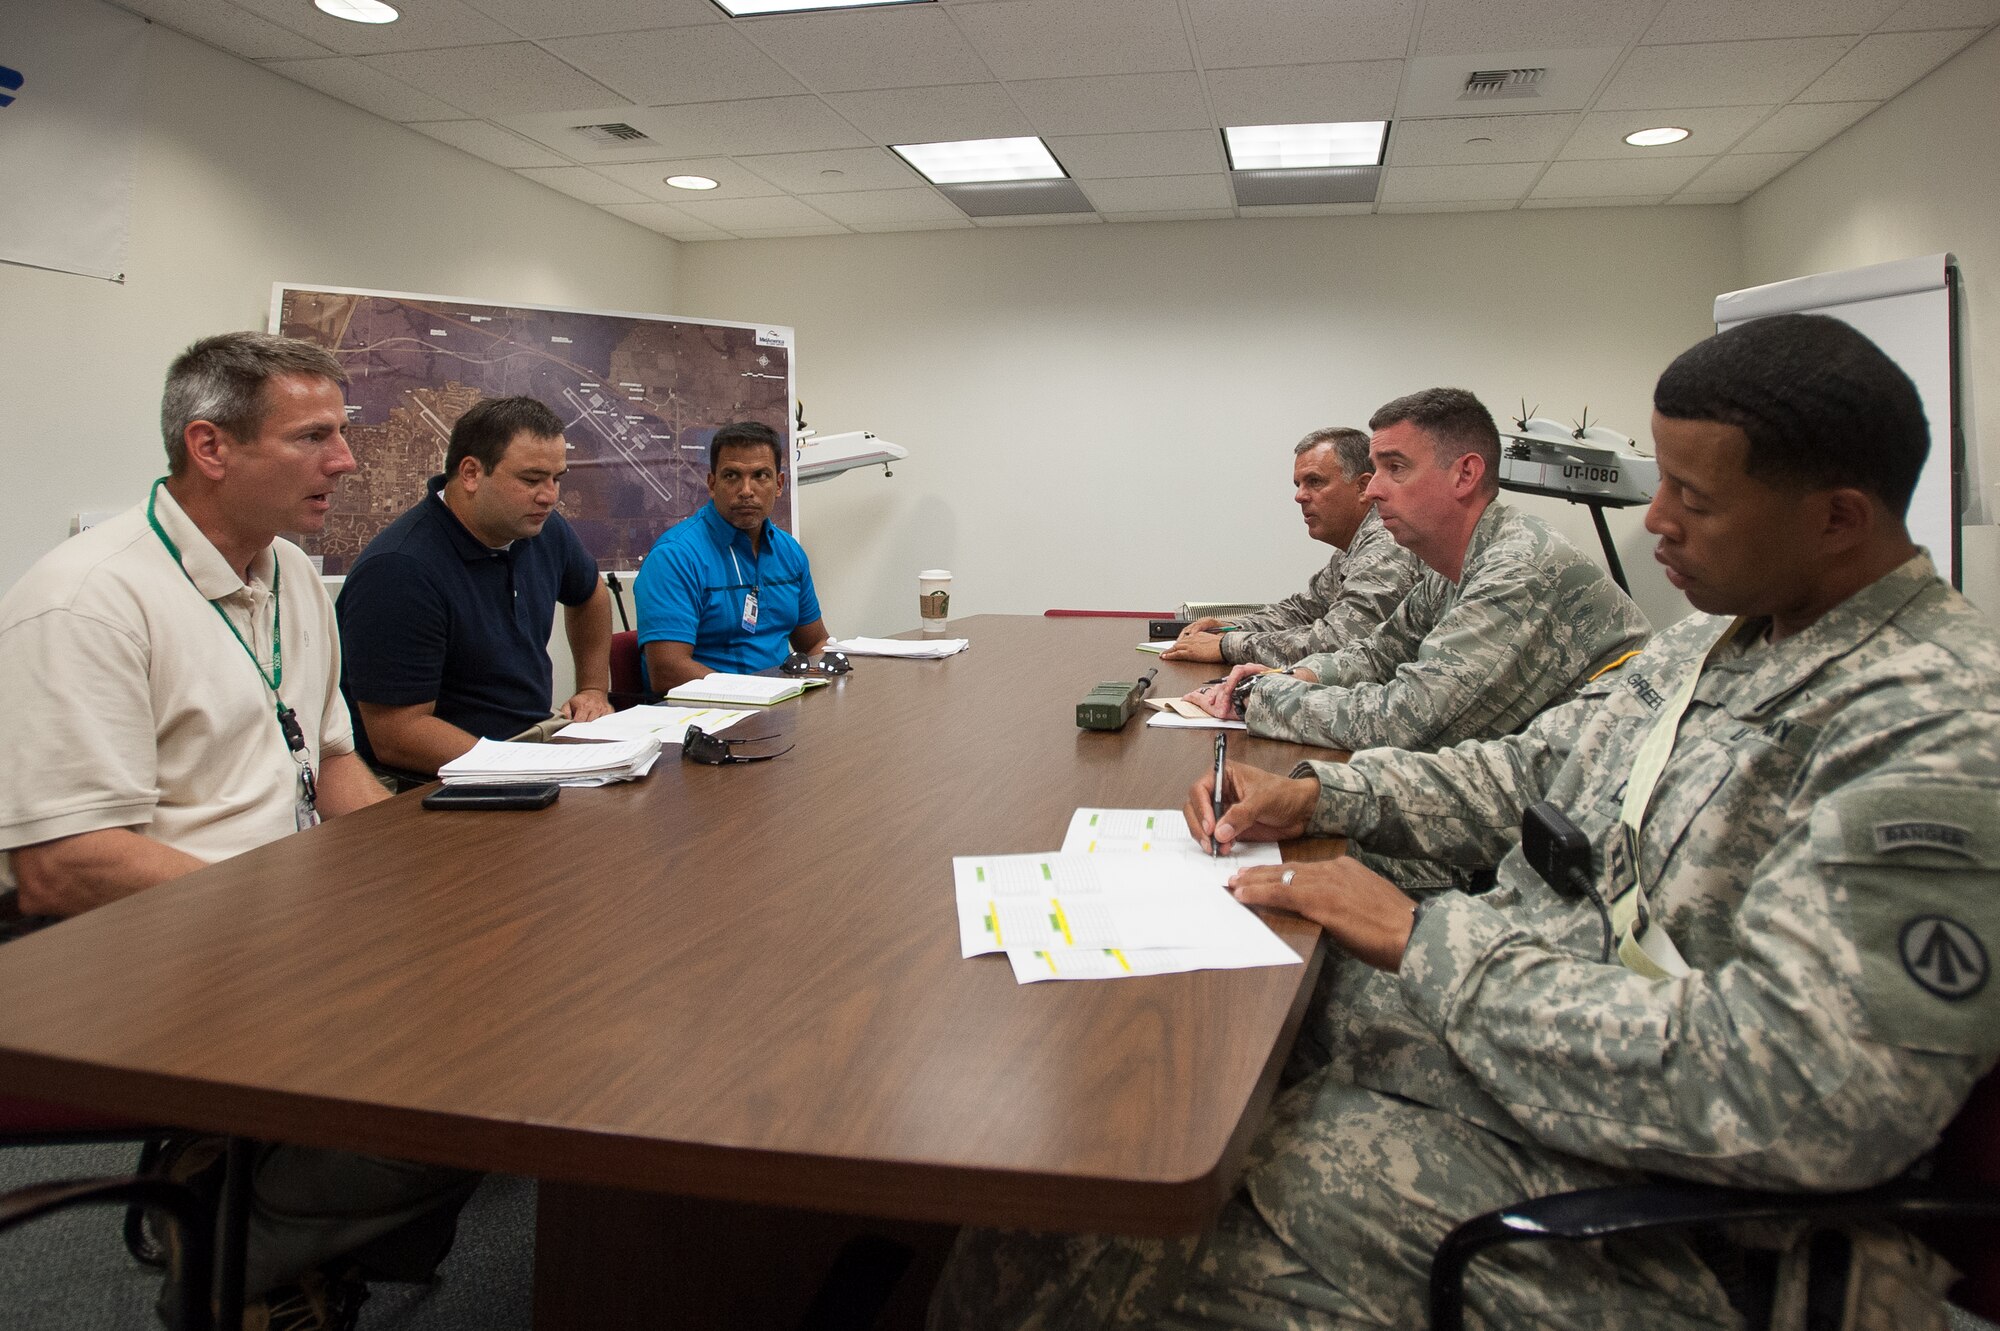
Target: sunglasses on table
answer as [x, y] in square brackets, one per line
[829, 663]
[700, 746]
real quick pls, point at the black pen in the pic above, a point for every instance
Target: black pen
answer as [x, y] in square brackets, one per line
[1215, 796]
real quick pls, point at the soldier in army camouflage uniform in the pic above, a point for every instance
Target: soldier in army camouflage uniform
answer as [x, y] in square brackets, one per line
[1508, 619]
[1820, 851]
[1367, 578]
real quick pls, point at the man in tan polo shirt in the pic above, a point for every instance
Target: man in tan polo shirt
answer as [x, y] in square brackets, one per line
[174, 674]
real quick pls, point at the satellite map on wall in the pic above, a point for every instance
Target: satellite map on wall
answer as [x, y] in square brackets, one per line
[639, 398]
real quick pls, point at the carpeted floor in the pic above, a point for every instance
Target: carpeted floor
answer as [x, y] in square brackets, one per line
[71, 1272]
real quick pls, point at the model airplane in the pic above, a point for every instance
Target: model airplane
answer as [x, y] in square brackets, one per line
[1587, 462]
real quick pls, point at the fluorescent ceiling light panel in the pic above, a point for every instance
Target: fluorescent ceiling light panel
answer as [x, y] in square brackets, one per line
[971, 160]
[691, 182]
[1656, 138]
[358, 11]
[1289, 147]
[751, 8]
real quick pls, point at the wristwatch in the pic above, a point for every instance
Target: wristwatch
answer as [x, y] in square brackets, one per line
[1239, 697]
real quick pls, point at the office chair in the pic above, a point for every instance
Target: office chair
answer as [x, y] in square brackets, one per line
[1964, 1185]
[628, 677]
[137, 1193]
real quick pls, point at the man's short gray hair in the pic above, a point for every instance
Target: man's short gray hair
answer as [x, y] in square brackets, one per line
[1350, 448]
[221, 379]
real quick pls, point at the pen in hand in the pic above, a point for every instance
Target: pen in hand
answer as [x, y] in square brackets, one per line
[1215, 796]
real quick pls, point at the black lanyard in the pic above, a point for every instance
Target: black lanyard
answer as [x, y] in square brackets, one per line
[288, 721]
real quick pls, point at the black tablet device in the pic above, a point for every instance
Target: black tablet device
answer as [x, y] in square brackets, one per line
[493, 797]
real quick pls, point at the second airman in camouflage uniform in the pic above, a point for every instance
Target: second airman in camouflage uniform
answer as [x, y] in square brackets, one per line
[1822, 847]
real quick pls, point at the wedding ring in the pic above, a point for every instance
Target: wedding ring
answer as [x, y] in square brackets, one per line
[1286, 877]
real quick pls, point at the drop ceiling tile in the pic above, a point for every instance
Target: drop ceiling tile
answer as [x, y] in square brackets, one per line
[1688, 197]
[1885, 64]
[872, 207]
[1802, 127]
[1187, 152]
[1040, 219]
[1584, 180]
[228, 28]
[732, 181]
[761, 214]
[933, 115]
[1720, 73]
[1467, 27]
[1458, 206]
[902, 47]
[1049, 39]
[1710, 129]
[1610, 201]
[511, 79]
[425, 24]
[1307, 209]
[355, 83]
[1476, 140]
[1159, 193]
[1429, 184]
[1283, 32]
[1434, 85]
[1118, 104]
[581, 183]
[484, 139]
[1178, 215]
[1732, 20]
[669, 66]
[1742, 171]
[840, 171]
[962, 223]
[1943, 14]
[786, 232]
[734, 129]
[577, 18]
[1305, 94]
[662, 218]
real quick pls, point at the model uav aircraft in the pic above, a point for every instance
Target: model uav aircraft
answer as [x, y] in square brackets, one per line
[1588, 462]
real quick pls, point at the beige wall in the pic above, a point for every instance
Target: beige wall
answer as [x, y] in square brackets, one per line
[1919, 176]
[245, 179]
[1102, 416]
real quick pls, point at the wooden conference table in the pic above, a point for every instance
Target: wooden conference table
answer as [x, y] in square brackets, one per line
[739, 984]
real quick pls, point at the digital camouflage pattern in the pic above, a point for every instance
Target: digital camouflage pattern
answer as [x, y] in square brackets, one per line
[1529, 621]
[1345, 601]
[1823, 847]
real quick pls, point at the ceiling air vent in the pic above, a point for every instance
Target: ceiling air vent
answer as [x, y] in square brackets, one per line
[1485, 85]
[610, 136]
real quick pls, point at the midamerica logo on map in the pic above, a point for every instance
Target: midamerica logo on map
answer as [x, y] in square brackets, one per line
[639, 399]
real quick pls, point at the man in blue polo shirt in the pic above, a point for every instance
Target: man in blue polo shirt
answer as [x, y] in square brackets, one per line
[726, 589]
[445, 618]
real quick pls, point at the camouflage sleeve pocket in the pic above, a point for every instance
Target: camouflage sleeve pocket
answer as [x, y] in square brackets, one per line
[1920, 865]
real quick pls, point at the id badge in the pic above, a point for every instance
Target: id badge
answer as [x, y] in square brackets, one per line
[750, 610]
[305, 801]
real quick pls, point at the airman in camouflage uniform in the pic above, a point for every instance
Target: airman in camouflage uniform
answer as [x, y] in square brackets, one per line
[1364, 582]
[1508, 619]
[1822, 846]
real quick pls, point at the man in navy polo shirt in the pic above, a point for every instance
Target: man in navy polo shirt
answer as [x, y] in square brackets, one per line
[445, 618]
[726, 589]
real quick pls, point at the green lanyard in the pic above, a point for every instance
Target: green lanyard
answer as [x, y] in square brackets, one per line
[288, 722]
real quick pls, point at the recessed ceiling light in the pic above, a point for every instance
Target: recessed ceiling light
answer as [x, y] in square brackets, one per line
[1283, 147]
[749, 8]
[690, 182]
[1656, 138]
[971, 160]
[358, 11]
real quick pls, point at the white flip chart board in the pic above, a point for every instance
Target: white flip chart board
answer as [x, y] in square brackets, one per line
[1906, 307]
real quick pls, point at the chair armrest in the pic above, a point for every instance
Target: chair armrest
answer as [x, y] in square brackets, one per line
[196, 1247]
[1595, 1213]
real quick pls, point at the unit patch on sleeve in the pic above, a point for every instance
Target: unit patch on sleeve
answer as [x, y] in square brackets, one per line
[1944, 956]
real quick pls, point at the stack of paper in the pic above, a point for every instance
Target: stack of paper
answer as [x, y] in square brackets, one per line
[742, 690]
[494, 762]
[1130, 893]
[665, 724]
[921, 649]
[1180, 714]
